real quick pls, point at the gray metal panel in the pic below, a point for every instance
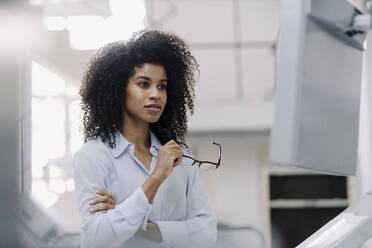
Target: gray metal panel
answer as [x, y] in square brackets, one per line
[289, 53]
[317, 95]
[329, 109]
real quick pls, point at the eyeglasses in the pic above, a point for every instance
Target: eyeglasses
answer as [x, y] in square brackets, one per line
[205, 165]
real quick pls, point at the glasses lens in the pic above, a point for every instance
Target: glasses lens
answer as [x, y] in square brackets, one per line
[207, 166]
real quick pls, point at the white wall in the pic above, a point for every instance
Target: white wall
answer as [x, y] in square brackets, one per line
[238, 190]
[234, 42]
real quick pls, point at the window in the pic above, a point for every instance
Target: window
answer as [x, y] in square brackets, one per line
[55, 110]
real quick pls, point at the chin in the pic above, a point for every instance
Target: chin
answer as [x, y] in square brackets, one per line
[152, 120]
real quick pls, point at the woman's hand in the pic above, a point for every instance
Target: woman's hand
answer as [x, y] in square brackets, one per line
[169, 156]
[107, 200]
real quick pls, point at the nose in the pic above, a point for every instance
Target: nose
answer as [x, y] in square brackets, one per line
[155, 93]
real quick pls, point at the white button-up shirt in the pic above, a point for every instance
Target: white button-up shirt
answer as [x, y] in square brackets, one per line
[180, 208]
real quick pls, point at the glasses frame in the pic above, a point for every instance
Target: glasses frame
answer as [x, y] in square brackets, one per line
[200, 162]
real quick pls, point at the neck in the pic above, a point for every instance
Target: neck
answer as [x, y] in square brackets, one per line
[136, 132]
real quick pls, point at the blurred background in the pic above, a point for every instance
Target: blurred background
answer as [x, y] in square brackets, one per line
[257, 204]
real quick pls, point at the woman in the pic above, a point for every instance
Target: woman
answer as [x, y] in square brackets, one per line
[132, 186]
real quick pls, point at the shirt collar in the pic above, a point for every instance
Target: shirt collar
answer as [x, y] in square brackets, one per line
[154, 141]
[155, 144]
[122, 144]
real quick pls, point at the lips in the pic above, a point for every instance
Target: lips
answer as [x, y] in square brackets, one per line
[156, 106]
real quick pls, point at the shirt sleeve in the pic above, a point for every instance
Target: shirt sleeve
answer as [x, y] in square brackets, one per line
[113, 228]
[200, 227]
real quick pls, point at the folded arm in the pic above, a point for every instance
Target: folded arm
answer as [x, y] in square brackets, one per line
[117, 225]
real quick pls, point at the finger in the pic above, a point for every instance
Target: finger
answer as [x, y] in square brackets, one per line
[172, 144]
[173, 148]
[103, 199]
[178, 159]
[112, 201]
[101, 192]
[177, 153]
[104, 193]
[101, 207]
[98, 200]
[176, 150]
[109, 198]
[177, 162]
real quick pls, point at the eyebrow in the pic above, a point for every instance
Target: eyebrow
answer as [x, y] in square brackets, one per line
[149, 79]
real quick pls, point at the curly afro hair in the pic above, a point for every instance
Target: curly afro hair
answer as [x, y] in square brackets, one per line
[106, 78]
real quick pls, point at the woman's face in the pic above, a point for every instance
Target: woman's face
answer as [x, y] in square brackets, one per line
[146, 93]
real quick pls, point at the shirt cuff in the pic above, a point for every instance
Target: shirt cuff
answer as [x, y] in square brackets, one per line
[135, 208]
[144, 223]
[174, 233]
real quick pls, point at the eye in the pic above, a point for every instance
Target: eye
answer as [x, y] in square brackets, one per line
[163, 87]
[144, 84]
